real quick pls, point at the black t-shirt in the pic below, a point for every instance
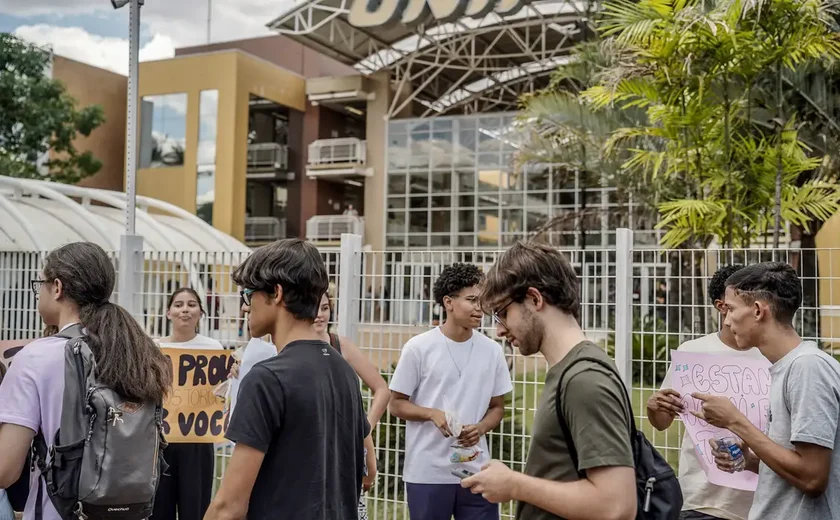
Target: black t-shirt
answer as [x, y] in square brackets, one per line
[303, 409]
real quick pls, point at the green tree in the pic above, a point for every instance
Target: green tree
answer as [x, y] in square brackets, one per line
[38, 117]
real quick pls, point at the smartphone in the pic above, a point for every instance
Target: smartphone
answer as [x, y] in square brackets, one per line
[462, 473]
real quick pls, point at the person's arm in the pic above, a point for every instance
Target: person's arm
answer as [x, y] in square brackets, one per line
[370, 464]
[663, 406]
[258, 418]
[231, 501]
[20, 413]
[16, 441]
[605, 494]
[371, 377]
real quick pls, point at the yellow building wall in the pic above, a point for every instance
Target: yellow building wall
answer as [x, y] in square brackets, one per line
[235, 75]
[828, 260]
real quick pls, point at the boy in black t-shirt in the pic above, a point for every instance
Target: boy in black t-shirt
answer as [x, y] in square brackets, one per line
[299, 423]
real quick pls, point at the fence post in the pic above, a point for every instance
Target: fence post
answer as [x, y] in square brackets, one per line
[130, 275]
[349, 285]
[624, 305]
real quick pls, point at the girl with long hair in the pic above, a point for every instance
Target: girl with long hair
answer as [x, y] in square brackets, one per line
[74, 289]
[185, 489]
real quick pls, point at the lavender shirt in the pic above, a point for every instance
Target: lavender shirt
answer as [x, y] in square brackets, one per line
[31, 396]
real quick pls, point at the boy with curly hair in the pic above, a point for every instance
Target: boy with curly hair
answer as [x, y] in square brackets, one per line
[449, 386]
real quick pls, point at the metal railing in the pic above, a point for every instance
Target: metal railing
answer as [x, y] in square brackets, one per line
[268, 156]
[337, 151]
[329, 228]
[264, 229]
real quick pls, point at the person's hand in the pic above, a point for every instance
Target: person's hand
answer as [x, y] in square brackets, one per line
[471, 434]
[493, 482]
[666, 401]
[724, 461]
[716, 410]
[234, 370]
[370, 479]
[439, 419]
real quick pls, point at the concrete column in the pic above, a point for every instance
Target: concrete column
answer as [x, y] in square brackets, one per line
[376, 136]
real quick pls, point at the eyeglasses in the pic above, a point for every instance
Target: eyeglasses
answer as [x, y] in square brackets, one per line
[36, 285]
[497, 314]
[246, 295]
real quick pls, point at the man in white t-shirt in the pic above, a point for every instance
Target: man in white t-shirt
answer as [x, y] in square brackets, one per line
[449, 386]
[703, 500]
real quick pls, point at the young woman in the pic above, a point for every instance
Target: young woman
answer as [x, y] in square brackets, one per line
[369, 375]
[185, 489]
[75, 288]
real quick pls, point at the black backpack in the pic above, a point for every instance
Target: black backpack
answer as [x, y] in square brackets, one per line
[658, 492]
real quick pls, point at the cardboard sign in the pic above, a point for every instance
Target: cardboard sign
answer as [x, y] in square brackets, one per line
[193, 412]
[8, 349]
[745, 381]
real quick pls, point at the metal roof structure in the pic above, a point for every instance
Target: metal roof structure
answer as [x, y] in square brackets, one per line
[41, 215]
[465, 66]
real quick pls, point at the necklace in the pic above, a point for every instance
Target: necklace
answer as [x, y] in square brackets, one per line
[469, 354]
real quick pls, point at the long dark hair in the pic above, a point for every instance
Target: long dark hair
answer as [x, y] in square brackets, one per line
[127, 359]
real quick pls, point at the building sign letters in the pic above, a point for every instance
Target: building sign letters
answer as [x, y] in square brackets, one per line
[377, 13]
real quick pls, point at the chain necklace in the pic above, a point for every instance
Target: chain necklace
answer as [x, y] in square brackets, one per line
[469, 354]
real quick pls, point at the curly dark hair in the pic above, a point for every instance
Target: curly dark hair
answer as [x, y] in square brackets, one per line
[454, 278]
[717, 285]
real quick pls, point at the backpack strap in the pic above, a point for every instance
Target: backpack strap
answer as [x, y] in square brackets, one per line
[558, 406]
[335, 342]
[39, 462]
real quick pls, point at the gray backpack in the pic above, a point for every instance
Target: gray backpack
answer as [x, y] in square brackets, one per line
[106, 458]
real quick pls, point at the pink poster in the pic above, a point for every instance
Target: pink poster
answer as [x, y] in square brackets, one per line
[745, 381]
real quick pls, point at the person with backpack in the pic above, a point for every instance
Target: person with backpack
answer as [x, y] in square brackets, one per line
[100, 377]
[299, 424]
[186, 488]
[586, 459]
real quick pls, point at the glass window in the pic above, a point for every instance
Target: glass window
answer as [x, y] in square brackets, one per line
[396, 222]
[396, 184]
[441, 240]
[418, 183]
[396, 202]
[442, 201]
[441, 182]
[206, 157]
[418, 202]
[418, 221]
[489, 180]
[163, 129]
[466, 221]
[440, 221]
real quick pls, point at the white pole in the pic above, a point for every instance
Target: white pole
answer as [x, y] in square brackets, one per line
[209, 17]
[131, 116]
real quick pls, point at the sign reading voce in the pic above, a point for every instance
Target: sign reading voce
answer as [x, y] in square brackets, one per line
[376, 13]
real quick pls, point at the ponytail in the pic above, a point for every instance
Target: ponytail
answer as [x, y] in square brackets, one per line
[127, 359]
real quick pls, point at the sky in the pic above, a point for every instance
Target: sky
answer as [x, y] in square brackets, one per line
[93, 32]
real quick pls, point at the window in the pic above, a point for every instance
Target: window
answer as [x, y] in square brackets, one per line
[163, 127]
[206, 160]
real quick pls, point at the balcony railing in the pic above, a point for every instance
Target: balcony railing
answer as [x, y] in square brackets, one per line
[264, 229]
[263, 156]
[329, 228]
[345, 150]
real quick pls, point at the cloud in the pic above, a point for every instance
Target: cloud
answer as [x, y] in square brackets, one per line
[100, 51]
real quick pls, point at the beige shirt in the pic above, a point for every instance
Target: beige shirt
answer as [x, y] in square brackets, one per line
[698, 493]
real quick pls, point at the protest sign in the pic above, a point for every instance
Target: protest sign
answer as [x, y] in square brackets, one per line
[745, 381]
[193, 412]
[9, 348]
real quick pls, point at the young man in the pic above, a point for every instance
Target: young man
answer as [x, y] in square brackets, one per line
[532, 292]
[450, 370]
[703, 500]
[798, 458]
[299, 424]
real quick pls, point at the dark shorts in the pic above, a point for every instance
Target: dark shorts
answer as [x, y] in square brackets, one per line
[694, 515]
[442, 501]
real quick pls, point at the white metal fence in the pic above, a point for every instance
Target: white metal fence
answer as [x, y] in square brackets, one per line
[637, 304]
[272, 156]
[329, 228]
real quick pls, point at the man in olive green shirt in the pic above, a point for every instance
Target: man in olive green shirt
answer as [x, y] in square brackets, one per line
[532, 293]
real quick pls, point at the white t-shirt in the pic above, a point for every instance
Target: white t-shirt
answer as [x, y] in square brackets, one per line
[198, 342]
[255, 351]
[427, 372]
[698, 493]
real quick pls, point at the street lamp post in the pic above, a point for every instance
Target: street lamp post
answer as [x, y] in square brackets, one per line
[131, 244]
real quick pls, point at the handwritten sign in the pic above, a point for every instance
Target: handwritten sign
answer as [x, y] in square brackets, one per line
[745, 381]
[193, 412]
[9, 348]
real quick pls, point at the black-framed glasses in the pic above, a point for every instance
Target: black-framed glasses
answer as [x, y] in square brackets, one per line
[246, 295]
[497, 314]
[36, 285]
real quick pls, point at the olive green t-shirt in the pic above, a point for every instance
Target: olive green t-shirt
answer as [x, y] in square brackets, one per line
[596, 411]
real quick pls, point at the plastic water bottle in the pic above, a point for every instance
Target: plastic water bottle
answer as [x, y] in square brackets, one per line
[729, 445]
